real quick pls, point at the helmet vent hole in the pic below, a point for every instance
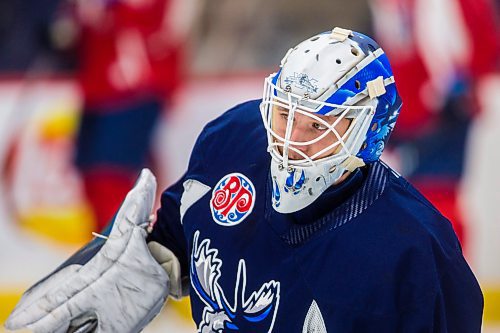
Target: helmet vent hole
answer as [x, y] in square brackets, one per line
[318, 179]
[374, 126]
[314, 39]
[307, 51]
[354, 51]
[357, 84]
[371, 47]
[317, 57]
[338, 61]
[364, 146]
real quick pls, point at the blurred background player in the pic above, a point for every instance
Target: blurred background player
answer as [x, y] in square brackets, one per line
[442, 50]
[130, 64]
[439, 84]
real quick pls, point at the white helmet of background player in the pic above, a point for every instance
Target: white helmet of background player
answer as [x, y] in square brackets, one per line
[338, 73]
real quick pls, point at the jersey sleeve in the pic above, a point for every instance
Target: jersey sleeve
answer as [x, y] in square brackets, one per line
[426, 298]
[445, 297]
[168, 229]
[456, 302]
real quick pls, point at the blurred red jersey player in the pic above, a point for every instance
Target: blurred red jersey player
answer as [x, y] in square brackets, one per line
[130, 64]
[439, 51]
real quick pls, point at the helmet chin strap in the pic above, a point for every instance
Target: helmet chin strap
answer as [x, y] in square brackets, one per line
[352, 162]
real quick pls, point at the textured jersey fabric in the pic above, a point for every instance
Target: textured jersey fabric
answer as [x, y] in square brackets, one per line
[379, 258]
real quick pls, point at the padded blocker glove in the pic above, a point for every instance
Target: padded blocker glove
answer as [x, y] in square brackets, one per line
[110, 285]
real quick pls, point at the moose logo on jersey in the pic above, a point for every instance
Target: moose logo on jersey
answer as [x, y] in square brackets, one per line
[253, 314]
[232, 199]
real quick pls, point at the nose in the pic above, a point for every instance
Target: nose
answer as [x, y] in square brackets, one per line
[298, 135]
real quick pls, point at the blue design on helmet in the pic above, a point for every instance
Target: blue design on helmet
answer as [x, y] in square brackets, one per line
[388, 106]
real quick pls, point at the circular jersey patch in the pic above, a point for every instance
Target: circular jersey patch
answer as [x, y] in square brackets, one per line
[232, 199]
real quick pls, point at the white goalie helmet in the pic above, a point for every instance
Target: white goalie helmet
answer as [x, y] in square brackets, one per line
[329, 109]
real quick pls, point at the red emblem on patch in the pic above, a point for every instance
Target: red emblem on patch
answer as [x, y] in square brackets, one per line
[232, 199]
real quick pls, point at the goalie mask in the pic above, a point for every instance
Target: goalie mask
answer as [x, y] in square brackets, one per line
[329, 109]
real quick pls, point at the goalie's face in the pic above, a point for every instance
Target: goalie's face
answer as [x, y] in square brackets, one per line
[313, 135]
[303, 132]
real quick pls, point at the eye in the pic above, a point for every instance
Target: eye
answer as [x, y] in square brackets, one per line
[284, 115]
[319, 126]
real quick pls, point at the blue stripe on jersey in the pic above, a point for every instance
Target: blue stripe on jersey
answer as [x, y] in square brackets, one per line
[371, 190]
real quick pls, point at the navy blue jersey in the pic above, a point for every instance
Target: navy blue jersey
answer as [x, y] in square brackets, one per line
[370, 255]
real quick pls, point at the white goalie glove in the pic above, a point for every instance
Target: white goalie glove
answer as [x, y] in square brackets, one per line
[112, 285]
